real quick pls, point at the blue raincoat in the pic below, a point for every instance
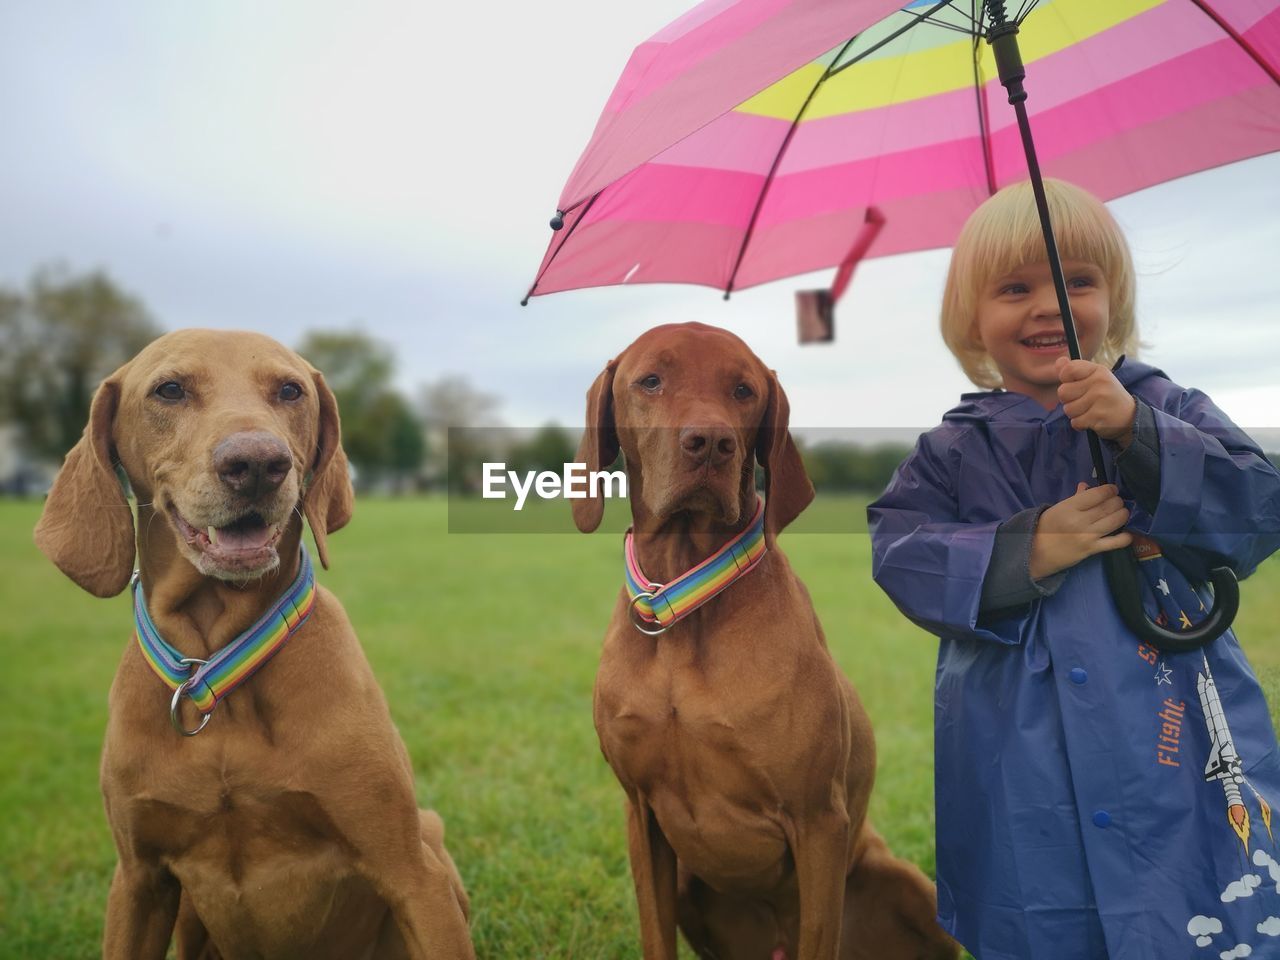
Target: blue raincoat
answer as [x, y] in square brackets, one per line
[1089, 789]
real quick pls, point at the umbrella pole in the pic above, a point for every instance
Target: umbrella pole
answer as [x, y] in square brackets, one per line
[1003, 37]
[1055, 267]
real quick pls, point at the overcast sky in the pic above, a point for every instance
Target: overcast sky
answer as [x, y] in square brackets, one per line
[392, 165]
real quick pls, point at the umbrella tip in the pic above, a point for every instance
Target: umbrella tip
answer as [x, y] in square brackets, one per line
[525, 301]
[557, 222]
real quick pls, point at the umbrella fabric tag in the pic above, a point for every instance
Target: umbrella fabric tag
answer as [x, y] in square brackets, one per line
[816, 309]
[815, 316]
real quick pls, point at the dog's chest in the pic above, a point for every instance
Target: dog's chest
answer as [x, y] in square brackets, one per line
[254, 858]
[269, 900]
[199, 804]
[666, 721]
[210, 816]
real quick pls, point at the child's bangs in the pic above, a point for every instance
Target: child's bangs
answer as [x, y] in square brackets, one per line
[1012, 237]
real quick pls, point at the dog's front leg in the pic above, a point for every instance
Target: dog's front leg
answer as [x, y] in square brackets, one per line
[653, 868]
[414, 882]
[141, 909]
[820, 846]
[425, 906]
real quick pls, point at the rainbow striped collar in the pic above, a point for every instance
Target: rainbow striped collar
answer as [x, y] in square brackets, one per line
[235, 663]
[665, 603]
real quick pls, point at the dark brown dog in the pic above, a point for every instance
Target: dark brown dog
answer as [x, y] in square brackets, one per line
[287, 828]
[744, 752]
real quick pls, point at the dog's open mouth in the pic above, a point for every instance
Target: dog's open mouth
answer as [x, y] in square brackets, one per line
[247, 545]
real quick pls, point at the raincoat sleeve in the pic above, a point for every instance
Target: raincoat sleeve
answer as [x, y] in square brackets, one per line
[1219, 496]
[1139, 465]
[1008, 582]
[928, 560]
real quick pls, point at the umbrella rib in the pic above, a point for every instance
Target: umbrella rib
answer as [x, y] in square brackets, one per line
[551, 259]
[927, 17]
[919, 19]
[972, 25]
[1235, 35]
[777, 159]
[983, 132]
[953, 27]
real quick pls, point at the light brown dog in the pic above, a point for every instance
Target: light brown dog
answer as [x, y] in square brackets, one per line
[287, 828]
[745, 754]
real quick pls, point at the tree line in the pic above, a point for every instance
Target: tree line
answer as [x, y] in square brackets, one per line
[65, 331]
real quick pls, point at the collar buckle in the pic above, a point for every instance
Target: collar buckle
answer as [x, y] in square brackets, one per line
[194, 663]
[637, 619]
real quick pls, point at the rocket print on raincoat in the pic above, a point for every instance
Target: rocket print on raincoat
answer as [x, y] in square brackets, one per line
[1224, 764]
[1171, 599]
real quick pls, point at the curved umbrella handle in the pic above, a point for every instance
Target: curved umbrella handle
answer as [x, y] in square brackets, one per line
[1126, 590]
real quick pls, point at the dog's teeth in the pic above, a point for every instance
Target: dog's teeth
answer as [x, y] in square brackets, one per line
[213, 534]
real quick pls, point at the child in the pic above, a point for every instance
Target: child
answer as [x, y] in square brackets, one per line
[1089, 795]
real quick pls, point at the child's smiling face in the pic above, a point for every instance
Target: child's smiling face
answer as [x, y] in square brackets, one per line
[1020, 326]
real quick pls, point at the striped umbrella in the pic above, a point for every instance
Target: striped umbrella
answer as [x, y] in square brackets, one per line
[756, 139]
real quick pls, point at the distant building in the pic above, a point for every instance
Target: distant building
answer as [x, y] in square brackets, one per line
[20, 475]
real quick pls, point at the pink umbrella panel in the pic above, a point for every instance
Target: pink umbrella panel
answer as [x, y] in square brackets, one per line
[677, 185]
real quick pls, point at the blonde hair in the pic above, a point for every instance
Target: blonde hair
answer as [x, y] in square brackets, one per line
[1003, 234]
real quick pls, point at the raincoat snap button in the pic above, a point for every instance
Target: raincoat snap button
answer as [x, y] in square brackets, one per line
[1102, 819]
[1078, 675]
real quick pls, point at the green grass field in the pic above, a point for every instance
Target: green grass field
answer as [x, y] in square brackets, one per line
[486, 646]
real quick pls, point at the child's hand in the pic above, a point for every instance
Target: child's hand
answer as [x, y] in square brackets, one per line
[1079, 527]
[1095, 400]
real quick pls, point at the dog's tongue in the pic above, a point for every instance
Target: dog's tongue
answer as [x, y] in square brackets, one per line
[233, 539]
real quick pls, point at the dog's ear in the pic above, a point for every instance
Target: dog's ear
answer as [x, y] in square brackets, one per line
[599, 446]
[328, 499]
[787, 489]
[86, 528]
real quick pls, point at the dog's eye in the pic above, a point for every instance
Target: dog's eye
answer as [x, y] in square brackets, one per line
[290, 391]
[743, 392]
[170, 390]
[651, 382]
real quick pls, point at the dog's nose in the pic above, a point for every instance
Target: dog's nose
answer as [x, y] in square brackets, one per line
[708, 444]
[252, 463]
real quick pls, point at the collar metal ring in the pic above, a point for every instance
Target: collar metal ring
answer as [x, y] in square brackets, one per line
[177, 699]
[639, 622]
